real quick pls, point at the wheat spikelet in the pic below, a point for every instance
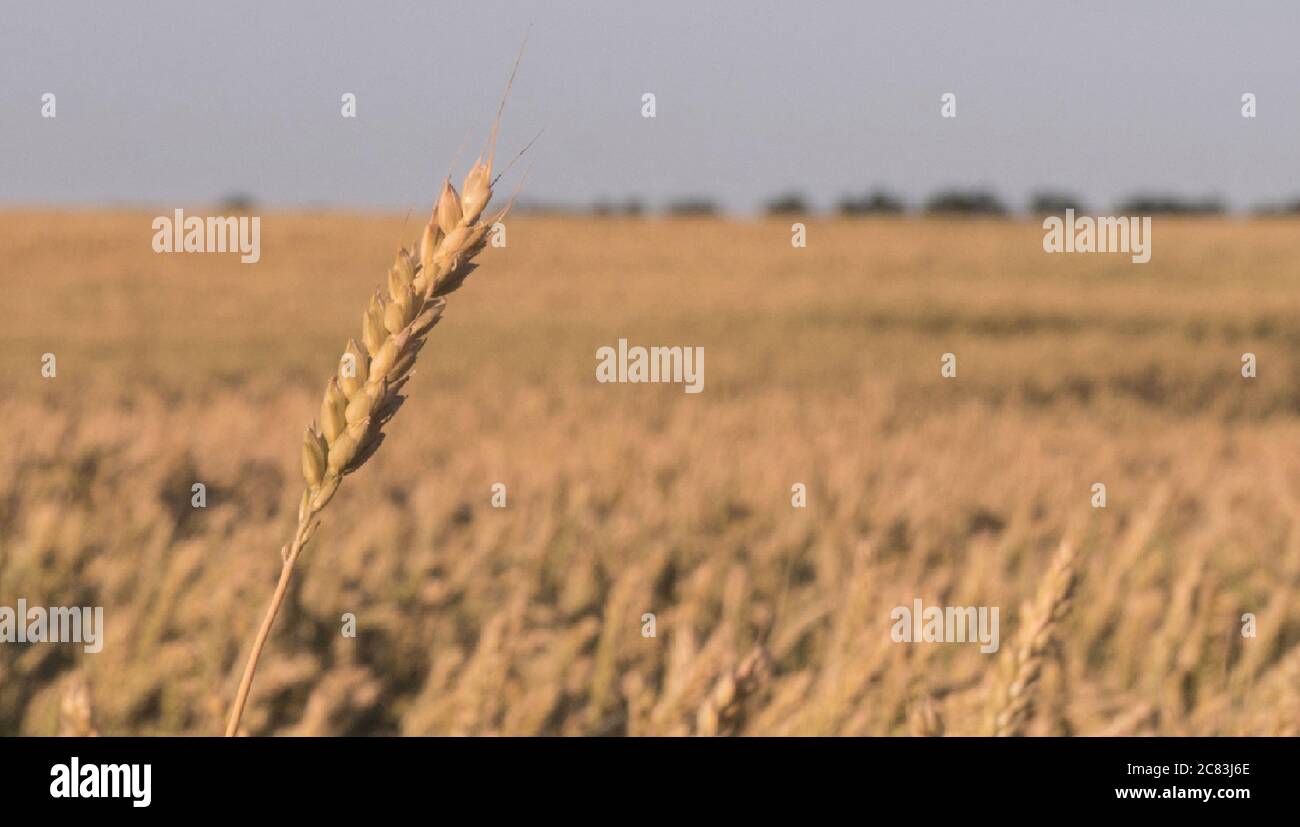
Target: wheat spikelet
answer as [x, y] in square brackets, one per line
[1015, 702]
[365, 393]
[924, 719]
[77, 710]
[723, 711]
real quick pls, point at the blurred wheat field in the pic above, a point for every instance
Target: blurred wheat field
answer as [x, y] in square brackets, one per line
[822, 368]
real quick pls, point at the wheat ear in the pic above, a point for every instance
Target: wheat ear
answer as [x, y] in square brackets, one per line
[924, 719]
[1037, 635]
[366, 392]
[723, 711]
[77, 710]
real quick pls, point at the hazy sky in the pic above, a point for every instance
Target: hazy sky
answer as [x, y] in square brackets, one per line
[173, 103]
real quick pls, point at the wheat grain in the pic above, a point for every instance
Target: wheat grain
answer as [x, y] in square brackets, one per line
[1040, 626]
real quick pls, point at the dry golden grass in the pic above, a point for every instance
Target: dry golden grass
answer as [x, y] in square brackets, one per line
[624, 499]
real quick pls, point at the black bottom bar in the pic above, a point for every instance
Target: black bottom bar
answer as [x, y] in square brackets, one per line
[670, 776]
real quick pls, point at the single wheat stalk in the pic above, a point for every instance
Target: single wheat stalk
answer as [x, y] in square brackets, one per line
[723, 711]
[1039, 627]
[366, 392]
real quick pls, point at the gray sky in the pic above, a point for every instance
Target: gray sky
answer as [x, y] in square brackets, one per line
[172, 103]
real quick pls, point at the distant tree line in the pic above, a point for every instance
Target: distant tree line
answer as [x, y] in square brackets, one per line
[980, 202]
[947, 202]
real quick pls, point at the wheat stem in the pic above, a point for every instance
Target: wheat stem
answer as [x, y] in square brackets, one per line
[300, 538]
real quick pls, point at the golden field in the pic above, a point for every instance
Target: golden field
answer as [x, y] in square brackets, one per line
[821, 367]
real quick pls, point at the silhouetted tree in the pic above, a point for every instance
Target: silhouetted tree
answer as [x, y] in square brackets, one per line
[877, 202]
[237, 202]
[965, 202]
[790, 203]
[1050, 202]
[630, 208]
[693, 205]
[1161, 204]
